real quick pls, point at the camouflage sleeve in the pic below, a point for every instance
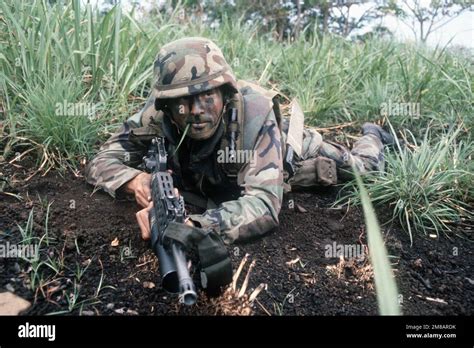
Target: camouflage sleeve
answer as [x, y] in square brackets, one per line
[261, 180]
[113, 165]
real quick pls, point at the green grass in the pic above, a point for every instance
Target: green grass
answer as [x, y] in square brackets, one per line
[385, 286]
[36, 267]
[58, 117]
[51, 267]
[427, 187]
[54, 54]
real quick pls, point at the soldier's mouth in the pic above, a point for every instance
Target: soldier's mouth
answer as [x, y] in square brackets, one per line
[199, 126]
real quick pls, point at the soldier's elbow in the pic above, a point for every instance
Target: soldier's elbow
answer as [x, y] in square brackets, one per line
[88, 172]
[273, 207]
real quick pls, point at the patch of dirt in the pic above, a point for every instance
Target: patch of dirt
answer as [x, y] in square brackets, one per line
[434, 276]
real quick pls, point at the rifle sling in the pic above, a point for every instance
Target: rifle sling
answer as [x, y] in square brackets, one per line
[213, 255]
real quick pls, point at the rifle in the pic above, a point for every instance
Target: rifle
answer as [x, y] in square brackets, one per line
[167, 207]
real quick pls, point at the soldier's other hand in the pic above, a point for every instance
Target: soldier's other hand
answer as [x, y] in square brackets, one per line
[144, 222]
[140, 187]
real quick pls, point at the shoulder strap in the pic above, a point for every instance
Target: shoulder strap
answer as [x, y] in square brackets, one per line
[253, 104]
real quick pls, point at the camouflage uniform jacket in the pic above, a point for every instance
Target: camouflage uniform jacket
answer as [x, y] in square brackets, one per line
[248, 203]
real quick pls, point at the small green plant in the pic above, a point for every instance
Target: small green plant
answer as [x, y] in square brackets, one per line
[278, 308]
[36, 263]
[36, 276]
[73, 297]
[27, 231]
[57, 265]
[73, 300]
[79, 271]
[101, 287]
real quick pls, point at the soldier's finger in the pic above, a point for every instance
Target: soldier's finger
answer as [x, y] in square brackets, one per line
[143, 223]
[147, 193]
[145, 185]
[142, 199]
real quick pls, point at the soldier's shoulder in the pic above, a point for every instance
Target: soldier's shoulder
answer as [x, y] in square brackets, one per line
[257, 100]
[250, 88]
[147, 116]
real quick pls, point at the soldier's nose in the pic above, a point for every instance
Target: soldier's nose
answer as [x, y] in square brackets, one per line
[196, 107]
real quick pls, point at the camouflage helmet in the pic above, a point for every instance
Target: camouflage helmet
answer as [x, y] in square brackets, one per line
[190, 66]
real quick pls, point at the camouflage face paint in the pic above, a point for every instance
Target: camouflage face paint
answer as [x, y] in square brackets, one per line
[202, 111]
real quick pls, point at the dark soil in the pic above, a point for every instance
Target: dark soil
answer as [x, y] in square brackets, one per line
[434, 276]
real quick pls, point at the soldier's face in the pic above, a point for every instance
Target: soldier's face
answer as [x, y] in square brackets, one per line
[201, 111]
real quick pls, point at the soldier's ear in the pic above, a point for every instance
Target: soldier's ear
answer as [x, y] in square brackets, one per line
[227, 94]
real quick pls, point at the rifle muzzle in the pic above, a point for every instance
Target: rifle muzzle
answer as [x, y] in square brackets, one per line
[168, 272]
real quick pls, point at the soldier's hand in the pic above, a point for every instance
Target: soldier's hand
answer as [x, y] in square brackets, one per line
[144, 221]
[140, 187]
